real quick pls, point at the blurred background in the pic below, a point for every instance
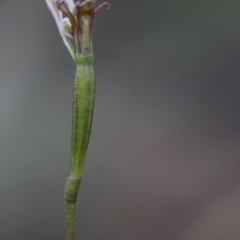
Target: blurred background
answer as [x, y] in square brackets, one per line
[164, 155]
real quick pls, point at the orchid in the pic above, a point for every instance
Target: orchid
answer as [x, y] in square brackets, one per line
[74, 22]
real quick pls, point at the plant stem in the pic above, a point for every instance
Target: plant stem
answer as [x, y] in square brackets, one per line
[70, 220]
[80, 22]
[74, 24]
[83, 105]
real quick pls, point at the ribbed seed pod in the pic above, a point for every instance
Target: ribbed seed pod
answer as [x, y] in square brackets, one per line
[83, 106]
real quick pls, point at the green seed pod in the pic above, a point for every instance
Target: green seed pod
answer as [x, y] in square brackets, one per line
[83, 106]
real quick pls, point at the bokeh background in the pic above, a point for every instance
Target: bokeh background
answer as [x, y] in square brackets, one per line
[164, 156]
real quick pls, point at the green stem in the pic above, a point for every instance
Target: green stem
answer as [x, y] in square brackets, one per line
[83, 105]
[80, 47]
[70, 209]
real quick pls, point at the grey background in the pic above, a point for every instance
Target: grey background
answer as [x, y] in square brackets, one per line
[164, 156]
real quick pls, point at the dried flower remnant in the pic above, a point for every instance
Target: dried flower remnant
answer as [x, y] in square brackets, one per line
[77, 15]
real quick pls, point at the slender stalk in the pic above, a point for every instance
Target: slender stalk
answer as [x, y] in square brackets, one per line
[83, 105]
[70, 209]
[76, 33]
